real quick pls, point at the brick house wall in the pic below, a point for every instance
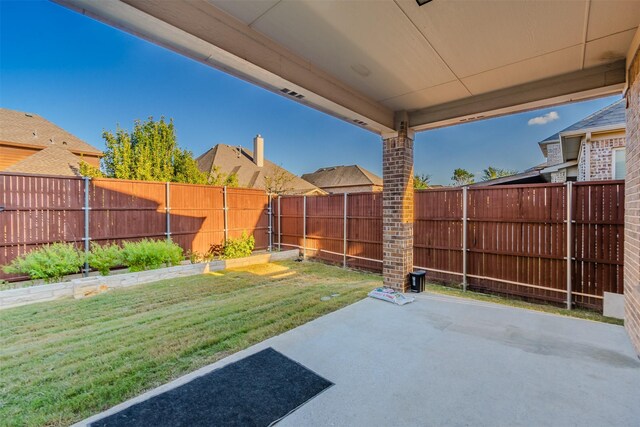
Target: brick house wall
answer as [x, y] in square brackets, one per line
[632, 206]
[601, 158]
[554, 154]
[560, 176]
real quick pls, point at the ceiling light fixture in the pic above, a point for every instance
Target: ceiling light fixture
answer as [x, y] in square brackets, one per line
[422, 2]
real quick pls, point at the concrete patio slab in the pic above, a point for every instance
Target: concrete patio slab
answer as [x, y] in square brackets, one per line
[450, 361]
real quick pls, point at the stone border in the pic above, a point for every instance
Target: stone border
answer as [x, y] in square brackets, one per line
[89, 286]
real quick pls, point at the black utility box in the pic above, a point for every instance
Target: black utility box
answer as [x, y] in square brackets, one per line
[416, 280]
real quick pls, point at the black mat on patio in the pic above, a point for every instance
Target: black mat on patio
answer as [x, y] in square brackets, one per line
[255, 391]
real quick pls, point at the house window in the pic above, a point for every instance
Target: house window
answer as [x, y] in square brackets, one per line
[619, 168]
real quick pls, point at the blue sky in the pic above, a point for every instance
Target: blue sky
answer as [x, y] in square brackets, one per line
[87, 77]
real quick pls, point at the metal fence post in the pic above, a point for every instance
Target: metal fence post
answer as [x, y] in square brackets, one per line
[464, 237]
[304, 227]
[344, 234]
[279, 224]
[167, 209]
[224, 210]
[269, 228]
[86, 237]
[569, 198]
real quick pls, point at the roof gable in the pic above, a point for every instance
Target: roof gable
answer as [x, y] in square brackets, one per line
[50, 161]
[31, 129]
[342, 176]
[610, 115]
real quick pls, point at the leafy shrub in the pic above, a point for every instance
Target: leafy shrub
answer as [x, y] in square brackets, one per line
[89, 170]
[196, 257]
[104, 258]
[150, 254]
[216, 251]
[50, 262]
[240, 247]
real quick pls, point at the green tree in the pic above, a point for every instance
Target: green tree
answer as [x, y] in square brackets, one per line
[462, 177]
[217, 177]
[118, 160]
[86, 169]
[185, 168]
[154, 148]
[231, 180]
[278, 181]
[149, 152]
[493, 173]
[421, 182]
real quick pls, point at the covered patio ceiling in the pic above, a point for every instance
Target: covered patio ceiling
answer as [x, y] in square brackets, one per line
[445, 62]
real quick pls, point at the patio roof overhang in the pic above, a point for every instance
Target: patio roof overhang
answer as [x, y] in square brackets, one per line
[443, 63]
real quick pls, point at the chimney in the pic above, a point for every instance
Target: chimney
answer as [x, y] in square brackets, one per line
[258, 151]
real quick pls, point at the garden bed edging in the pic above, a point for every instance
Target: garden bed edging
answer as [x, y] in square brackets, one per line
[89, 286]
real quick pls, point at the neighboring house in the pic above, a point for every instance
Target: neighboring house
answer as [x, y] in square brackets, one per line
[31, 144]
[592, 149]
[530, 176]
[251, 170]
[345, 179]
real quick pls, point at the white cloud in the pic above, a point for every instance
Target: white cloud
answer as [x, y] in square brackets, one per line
[544, 119]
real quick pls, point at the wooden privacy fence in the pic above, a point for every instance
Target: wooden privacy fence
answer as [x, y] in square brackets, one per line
[508, 239]
[36, 210]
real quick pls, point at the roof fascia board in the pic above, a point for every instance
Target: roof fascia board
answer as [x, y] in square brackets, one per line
[593, 130]
[96, 153]
[202, 32]
[556, 168]
[633, 48]
[585, 84]
[550, 141]
[515, 177]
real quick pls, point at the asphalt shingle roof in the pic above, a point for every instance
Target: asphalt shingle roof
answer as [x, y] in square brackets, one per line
[31, 129]
[610, 115]
[50, 161]
[239, 160]
[342, 176]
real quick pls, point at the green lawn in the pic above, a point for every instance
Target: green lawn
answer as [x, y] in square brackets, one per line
[66, 360]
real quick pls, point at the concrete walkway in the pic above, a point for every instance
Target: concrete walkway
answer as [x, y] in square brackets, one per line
[450, 361]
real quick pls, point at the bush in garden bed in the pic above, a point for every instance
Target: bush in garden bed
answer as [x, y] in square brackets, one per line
[214, 252]
[240, 247]
[105, 257]
[50, 262]
[233, 248]
[150, 254]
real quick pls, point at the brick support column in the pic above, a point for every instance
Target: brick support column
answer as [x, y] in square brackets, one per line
[397, 211]
[632, 205]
